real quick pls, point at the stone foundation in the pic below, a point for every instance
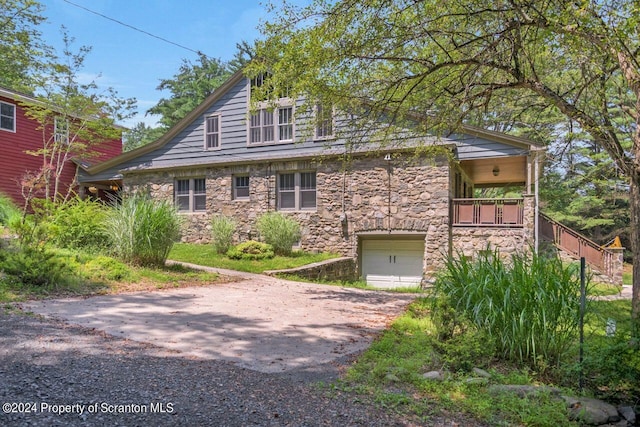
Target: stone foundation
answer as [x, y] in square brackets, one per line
[367, 194]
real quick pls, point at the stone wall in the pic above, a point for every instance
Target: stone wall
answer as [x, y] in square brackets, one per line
[343, 269]
[366, 195]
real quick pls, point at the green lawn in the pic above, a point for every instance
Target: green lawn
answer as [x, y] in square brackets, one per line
[207, 256]
[390, 371]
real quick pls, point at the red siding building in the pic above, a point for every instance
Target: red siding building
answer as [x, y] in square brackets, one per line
[19, 134]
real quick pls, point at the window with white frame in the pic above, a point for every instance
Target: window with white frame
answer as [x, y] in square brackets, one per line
[212, 132]
[191, 195]
[271, 125]
[61, 130]
[7, 116]
[241, 187]
[324, 121]
[296, 191]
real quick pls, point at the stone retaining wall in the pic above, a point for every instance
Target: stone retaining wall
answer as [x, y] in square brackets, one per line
[343, 269]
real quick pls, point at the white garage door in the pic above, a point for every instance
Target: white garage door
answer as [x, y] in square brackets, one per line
[392, 263]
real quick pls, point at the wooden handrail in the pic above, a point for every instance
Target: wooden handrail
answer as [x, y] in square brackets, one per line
[487, 212]
[577, 245]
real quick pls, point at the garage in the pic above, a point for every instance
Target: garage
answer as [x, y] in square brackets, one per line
[392, 263]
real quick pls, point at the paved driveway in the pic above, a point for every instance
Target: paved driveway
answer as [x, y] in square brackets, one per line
[261, 323]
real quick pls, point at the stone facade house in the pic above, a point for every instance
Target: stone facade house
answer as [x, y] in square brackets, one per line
[395, 212]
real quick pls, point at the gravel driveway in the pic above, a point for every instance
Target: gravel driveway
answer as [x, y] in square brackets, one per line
[167, 359]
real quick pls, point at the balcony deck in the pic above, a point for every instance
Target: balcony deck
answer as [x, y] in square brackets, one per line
[507, 213]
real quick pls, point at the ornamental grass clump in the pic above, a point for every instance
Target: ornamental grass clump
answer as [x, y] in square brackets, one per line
[142, 231]
[528, 306]
[222, 229]
[279, 231]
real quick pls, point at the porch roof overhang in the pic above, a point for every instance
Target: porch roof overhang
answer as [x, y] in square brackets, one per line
[498, 171]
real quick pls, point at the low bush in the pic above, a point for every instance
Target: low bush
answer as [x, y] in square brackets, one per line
[76, 224]
[251, 250]
[279, 231]
[106, 268]
[142, 230]
[222, 229]
[8, 210]
[34, 266]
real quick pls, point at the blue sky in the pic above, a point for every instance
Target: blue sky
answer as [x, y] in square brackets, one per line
[132, 62]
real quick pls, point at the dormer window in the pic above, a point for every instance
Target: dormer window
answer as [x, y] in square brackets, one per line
[268, 125]
[212, 132]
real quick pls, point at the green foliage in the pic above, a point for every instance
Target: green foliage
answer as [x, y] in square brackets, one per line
[251, 250]
[461, 345]
[77, 224]
[188, 88]
[222, 229]
[142, 230]
[34, 266]
[8, 210]
[22, 50]
[107, 268]
[528, 307]
[279, 231]
[140, 134]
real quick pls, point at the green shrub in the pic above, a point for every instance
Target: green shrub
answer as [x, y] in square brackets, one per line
[142, 230]
[251, 250]
[103, 267]
[222, 229]
[34, 266]
[528, 306]
[8, 210]
[279, 231]
[77, 224]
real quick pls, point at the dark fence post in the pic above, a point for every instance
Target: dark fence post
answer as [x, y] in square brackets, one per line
[583, 303]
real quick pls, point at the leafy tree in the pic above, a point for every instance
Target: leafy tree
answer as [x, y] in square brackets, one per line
[457, 59]
[192, 84]
[21, 48]
[74, 118]
[140, 135]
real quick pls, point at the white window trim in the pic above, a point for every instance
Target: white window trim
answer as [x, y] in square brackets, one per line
[15, 125]
[297, 191]
[234, 195]
[317, 137]
[219, 146]
[192, 195]
[275, 108]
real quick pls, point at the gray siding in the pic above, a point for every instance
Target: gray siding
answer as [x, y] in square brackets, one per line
[187, 147]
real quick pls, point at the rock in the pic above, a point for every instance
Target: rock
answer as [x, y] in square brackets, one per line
[433, 375]
[591, 411]
[628, 413]
[481, 373]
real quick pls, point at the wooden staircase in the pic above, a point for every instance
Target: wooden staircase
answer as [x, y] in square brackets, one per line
[576, 246]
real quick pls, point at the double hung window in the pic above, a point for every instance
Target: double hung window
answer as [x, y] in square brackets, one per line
[7, 117]
[191, 195]
[296, 191]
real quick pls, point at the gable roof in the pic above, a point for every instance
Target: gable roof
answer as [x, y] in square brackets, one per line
[469, 132]
[173, 131]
